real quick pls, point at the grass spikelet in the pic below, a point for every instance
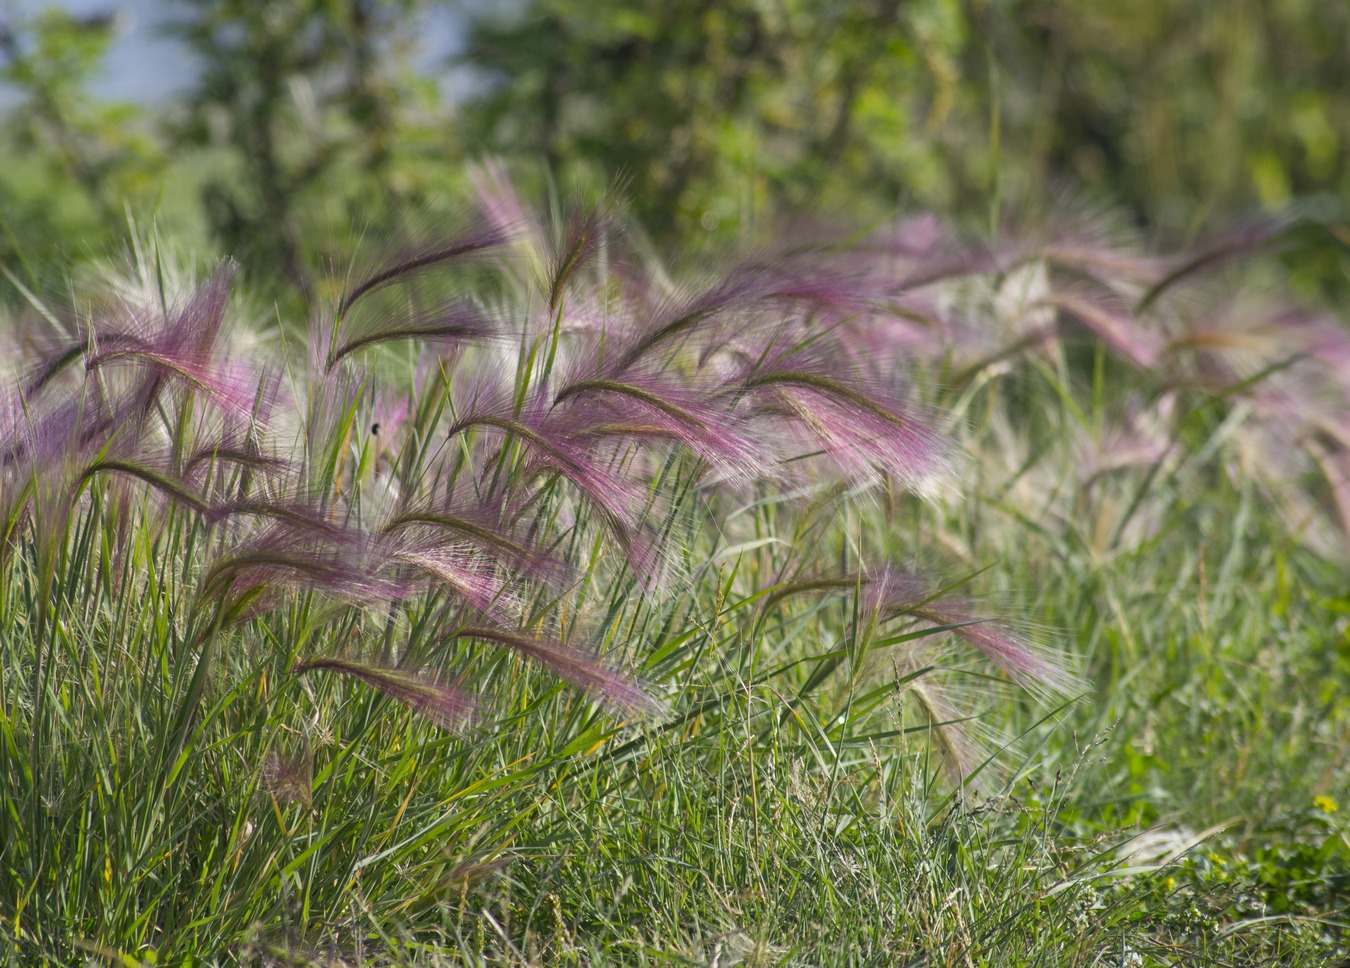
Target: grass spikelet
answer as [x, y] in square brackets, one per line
[409, 261]
[581, 669]
[444, 705]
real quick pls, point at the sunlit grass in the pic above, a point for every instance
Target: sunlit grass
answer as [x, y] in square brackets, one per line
[534, 609]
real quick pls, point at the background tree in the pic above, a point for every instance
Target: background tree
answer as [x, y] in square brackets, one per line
[715, 110]
[73, 157]
[307, 117]
[1178, 111]
[303, 101]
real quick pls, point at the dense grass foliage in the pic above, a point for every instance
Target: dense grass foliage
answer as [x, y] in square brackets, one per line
[883, 603]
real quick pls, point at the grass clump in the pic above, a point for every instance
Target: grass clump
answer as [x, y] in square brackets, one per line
[534, 608]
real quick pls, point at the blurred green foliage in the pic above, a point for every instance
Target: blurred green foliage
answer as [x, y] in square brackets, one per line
[715, 111]
[1182, 109]
[303, 104]
[72, 158]
[310, 117]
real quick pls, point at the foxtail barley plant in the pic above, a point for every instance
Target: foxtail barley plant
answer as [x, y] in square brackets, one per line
[241, 572]
[503, 450]
[1164, 346]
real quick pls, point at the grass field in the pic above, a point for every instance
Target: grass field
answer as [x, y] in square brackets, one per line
[890, 604]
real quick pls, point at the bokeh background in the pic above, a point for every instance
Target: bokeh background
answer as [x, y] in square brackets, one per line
[273, 130]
